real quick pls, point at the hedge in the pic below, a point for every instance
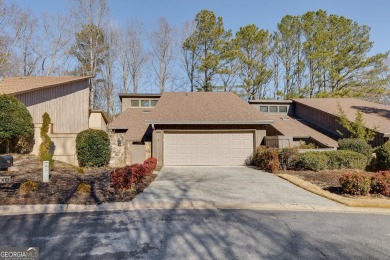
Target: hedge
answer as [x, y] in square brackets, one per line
[313, 161]
[383, 156]
[356, 145]
[93, 148]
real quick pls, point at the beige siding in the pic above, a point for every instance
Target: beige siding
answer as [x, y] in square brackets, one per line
[67, 106]
[96, 121]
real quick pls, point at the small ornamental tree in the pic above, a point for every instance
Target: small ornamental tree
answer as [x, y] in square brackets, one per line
[44, 148]
[15, 120]
[356, 129]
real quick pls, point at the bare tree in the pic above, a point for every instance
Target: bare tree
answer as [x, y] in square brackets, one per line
[89, 20]
[56, 44]
[135, 53]
[163, 50]
[189, 56]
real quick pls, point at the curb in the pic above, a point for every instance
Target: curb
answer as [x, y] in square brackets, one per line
[10, 210]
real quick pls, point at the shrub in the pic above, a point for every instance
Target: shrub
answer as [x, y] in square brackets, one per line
[343, 159]
[288, 157]
[380, 183]
[357, 145]
[16, 121]
[44, 147]
[84, 188]
[121, 178]
[303, 145]
[383, 156]
[149, 165]
[27, 186]
[267, 158]
[355, 183]
[314, 161]
[93, 148]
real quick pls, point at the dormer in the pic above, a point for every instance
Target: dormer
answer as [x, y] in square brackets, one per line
[138, 100]
[279, 107]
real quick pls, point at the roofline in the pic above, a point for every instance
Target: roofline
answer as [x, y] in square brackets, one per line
[265, 101]
[117, 128]
[139, 95]
[50, 86]
[187, 122]
[102, 113]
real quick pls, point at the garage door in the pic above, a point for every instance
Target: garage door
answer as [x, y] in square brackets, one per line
[207, 148]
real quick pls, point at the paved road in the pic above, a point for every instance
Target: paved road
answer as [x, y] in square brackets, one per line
[200, 234]
[227, 185]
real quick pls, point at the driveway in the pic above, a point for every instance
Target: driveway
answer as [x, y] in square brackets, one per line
[229, 187]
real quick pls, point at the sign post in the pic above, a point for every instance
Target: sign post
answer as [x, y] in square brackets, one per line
[46, 171]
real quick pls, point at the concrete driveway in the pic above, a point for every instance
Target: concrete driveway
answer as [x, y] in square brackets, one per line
[227, 187]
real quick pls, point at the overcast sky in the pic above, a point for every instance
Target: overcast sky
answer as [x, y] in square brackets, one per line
[237, 13]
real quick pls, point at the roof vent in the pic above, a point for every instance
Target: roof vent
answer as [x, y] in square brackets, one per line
[147, 111]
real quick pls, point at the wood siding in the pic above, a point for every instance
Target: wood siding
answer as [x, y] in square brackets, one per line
[327, 122]
[66, 104]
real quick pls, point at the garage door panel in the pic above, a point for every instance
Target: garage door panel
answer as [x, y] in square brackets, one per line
[207, 148]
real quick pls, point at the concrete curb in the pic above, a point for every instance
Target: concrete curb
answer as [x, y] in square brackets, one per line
[10, 210]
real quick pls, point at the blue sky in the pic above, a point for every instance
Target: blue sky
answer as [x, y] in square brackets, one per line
[237, 13]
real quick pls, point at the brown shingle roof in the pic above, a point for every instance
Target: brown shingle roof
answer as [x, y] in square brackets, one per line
[205, 108]
[18, 85]
[374, 114]
[290, 126]
[134, 121]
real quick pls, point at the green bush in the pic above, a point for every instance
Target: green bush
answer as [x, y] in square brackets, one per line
[355, 183]
[314, 161]
[383, 156]
[16, 122]
[44, 148]
[357, 145]
[343, 159]
[266, 158]
[93, 148]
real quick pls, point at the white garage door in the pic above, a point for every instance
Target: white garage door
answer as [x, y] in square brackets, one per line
[207, 148]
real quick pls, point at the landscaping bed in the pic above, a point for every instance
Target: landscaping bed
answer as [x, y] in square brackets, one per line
[328, 180]
[63, 187]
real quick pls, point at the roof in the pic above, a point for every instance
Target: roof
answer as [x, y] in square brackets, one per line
[289, 126]
[104, 115]
[134, 121]
[205, 108]
[374, 114]
[18, 85]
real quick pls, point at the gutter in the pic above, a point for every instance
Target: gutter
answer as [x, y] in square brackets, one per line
[188, 122]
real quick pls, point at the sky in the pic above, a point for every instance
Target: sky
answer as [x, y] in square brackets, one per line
[237, 13]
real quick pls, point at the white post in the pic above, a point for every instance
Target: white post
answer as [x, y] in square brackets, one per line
[46, 171]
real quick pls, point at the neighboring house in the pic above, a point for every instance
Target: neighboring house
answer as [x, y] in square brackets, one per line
[315, 120]
[98, 120]
[66, 101]
[197, 128]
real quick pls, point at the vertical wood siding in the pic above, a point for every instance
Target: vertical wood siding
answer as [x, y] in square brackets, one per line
[66, 104]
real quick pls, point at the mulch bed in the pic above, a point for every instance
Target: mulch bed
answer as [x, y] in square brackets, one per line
[329, 180]
[62, 188]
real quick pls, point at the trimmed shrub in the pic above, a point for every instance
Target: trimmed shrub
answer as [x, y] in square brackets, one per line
[288, 158]
[267, 158]
[357, 145]
[149, 165]
[27, 187]
[343, 159]
[313, 161]
[93, 148]
[383, 156]
[44, 147]
[355, 183]
[16, 123]
[121, 178]
[380, 183]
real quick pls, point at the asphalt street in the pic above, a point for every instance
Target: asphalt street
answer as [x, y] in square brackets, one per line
[201, 234]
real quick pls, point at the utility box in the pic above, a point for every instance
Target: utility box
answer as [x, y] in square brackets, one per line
[6, 161]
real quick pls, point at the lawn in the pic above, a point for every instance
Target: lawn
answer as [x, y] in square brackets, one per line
[64, 184]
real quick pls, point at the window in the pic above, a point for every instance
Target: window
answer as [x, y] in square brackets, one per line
[153, 103]
[135, 103]
[273, 109]
[264, 109]
[282, 109]
[144, 103]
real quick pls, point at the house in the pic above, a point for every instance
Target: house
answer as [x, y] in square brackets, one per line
[197, 128]
[65, 99]
[315, 120]
[98, 120]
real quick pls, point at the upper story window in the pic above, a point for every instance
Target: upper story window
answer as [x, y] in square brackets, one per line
[273, 109]
[144, 103]
[264, 109]
[282, 109]
[153, 103]
[135, 103]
